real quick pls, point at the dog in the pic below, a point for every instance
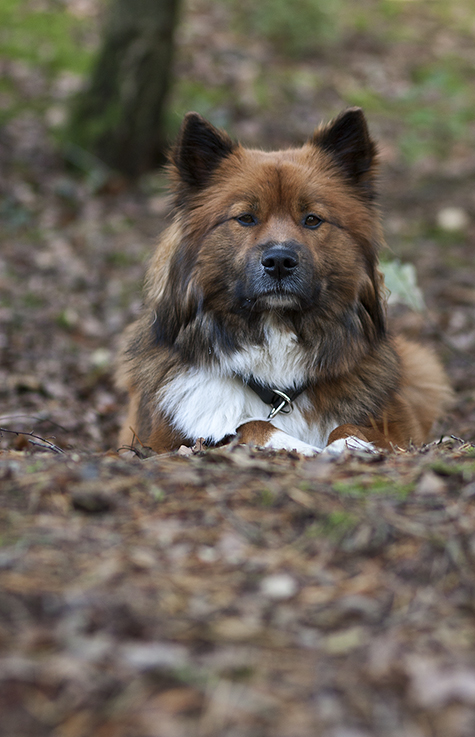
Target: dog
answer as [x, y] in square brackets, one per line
[264, 316]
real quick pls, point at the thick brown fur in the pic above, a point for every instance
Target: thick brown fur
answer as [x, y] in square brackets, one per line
[211, 294]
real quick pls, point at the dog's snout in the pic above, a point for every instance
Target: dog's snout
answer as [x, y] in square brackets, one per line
[279, 261]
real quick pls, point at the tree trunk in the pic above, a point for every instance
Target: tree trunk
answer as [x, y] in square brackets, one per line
[119, 116]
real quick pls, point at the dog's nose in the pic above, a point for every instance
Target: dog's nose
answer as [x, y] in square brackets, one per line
[279, 261]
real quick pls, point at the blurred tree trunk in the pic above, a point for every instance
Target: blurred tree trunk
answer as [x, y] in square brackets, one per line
[119, 115]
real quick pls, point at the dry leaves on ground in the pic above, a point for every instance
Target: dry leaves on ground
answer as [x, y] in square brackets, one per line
[237, 592]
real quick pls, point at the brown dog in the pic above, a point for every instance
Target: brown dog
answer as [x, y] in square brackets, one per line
[264, 314]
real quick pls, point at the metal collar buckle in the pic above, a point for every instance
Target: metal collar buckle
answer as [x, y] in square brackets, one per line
[285, 406]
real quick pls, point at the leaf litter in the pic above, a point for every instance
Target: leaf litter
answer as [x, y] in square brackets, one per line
[237, 591]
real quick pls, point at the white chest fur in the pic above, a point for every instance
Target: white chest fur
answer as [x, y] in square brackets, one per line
[213, 402]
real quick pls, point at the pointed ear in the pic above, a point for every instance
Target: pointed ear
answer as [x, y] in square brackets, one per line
[346, 138]
[199, 149]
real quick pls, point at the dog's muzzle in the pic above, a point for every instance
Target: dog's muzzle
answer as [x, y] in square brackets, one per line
[278, 276]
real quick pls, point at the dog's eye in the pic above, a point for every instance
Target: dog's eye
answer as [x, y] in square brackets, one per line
[312, 221]
[247, 218]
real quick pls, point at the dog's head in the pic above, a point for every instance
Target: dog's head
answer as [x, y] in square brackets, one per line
[294, 233]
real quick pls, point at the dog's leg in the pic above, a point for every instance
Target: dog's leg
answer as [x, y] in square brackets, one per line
[265, 435]
[352, 437]
[141, 428]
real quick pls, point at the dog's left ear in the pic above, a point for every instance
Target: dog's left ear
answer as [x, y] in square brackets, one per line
[346, 138]
[199, 149]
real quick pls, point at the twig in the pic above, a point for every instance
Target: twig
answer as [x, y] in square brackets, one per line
[45, 444]
[133, 446]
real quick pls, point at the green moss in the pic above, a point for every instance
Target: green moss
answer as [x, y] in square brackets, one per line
[465, 470]
[33, 301]
[340, 520]
[361, 486]
[266, 497]
[334, 525]
[157, 493]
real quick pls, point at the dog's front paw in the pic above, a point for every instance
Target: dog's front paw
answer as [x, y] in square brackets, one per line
[279, 440]
[351, 443]
[265, 435]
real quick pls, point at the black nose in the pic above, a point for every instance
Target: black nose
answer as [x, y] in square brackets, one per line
[279, 261]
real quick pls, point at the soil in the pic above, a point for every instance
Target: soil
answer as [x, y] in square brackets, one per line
[229, 592]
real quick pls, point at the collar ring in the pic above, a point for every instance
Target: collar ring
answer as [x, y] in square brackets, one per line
[285, 406]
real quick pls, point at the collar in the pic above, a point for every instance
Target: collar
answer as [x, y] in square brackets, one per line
[280, 400]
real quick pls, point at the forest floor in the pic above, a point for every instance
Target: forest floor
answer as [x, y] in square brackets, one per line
[233, 592]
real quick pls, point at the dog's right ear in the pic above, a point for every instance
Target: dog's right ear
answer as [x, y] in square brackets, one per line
[198, 151]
